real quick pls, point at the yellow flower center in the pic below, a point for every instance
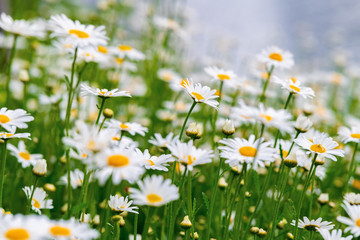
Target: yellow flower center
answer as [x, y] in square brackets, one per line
[317, 148]
[36, 203]
[60, 231]
[184, 83]
[293, 79]
[191, 160]
[4, 119]
[151, 162]
[276, 57]
[84, 155]
[223, 77]
[124, 126]
[6, 135]
[91, 145]
[358, 222]
[248, 151]
[167, 77]
[102, 92]
[24, 155]
[264, 75]
[124, 48]
[355, 135]
[217, 93]
[118, 160]
[103, 49]
[295, 88]
[116, 138]
[198, 96]
[17, 234]
[285, 153]
[153, 198]
[119, 60]
[78, 33]
[268, 118]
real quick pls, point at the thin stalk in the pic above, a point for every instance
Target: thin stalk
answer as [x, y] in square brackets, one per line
[352, 167]
[32, 195]
[2, 176]
[262, 96]
[8, 79]
[100, 109]
[186, 119]
[117, 231]
[84, 191]
[216, 113]
[189, 205]
[147, 222]
[136, 217]
[102, 124]
[288, 100]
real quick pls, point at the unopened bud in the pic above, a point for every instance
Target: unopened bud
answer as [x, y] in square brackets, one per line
[323, 198]
[290, 163]
[96, 219]
[186, 223]
[196, 235]
[222, 183]
[262, 233]
[40, 168]
[282, 223]
[228, 128]
[24, 76]
[192, 131]
[254, 230]
[290, 236]
[319, 162]
[303, 124]
[50, 187]
[116, 218]
[108, 113]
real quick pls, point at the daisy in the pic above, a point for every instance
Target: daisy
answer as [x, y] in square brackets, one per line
[189, 155]
[294, 86]
[349, 135]
[21, 27]
[243, 113]
[334, 235]
[123, 51]
[154, 191]
[79, 35]
[168, 75]
[321, 144]
[132, 128]
[90, 54]
[314, 225]
[220, 74]
[38, 200]
[121, 204]
[154, 162]
[159, 141]
[23, 156]
[238, 151]
[274, 56]
[6, 135]
[353, 222]
[303, 124]
[119, 162]
[270, 117]
[70, 229]
[305, 161]
[12, 119]
[202, 94]
[352, 198]
[86, 90]
[76, 179]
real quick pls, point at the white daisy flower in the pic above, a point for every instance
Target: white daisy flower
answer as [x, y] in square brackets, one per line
[321, 144]
[238, 151]
[270, 117]
[21, 27]
[303, 124]
[70, 229]
[86, 90]
[159, 141]
[121, 204]
[202, 94]
[305, 161]
[274, 56]
[294, 86]
[79, 35]
[353, 222]
[154, 191]
[243, 113]
[123, 51]
[220, 74]
[6, 135]
[352, 198]
[154, 162]
[349, 135]
[132, 128]
[334, 235]
[23, 156]
[76, 179]
[38, 200]
[12, 119]
[121, 163]
[313, 225]
[168, 75]
[189, 155]
[90, 54]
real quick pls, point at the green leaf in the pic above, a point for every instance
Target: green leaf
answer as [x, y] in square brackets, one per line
[206, 201]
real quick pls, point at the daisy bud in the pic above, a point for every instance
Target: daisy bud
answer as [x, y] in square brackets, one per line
[116, 218]
[40, 168]
[124, 214]
[182, 233]
[303, 124]
[50, 187]
[96, 219]
[24, 76]
[319, 161]
[64, 207]
[290, 236]
[108, 113]
[85, 218]
[192, 131]
[228, 128]
[236, 169]
[122, 222]
[332, 204]
[186, 223]
[63, 159]
[323, 198]
[262, 233]
[282, 223]
[247, 194]
[196, 235]
[254, 230]
[222, 183]
[291, 161]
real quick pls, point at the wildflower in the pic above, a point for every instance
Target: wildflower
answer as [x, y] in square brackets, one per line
[38, 200]
[132, 128]
[352, 198]
[274, 56]
[323, 198]
[294, 86]
[334, 235]
[159, 141]
[238, 151]
[123, 51]
[349, 135]
[77, 34]
[186, 223]
[121, 204]
[228, 128]
[194, 130]
[23, 156]
[270, 117]
[6, 135]
[76, 178]
[40, 168]
[70, 229]
[220, 74]
[202, 94]
[154, 162]
[154, 191]
[21, 27]
[12, 119]
[303, 124]
[353, 222]
[189, 155]
[86, 90]
[314, 225]
[321, 144]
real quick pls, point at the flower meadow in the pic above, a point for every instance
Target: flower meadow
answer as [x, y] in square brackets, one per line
[108, 131]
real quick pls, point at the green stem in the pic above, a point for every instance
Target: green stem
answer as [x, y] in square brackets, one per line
[8, 79]
[186, 119]
[2, 176]
[136, 217]
[263, 97]
[216, 113]
[117, 231]
[189, 205]
[102, 124]
[32, 195]
[288, 100]
[84, 191]
[147, 222]
[100, 109]
[352, 167]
